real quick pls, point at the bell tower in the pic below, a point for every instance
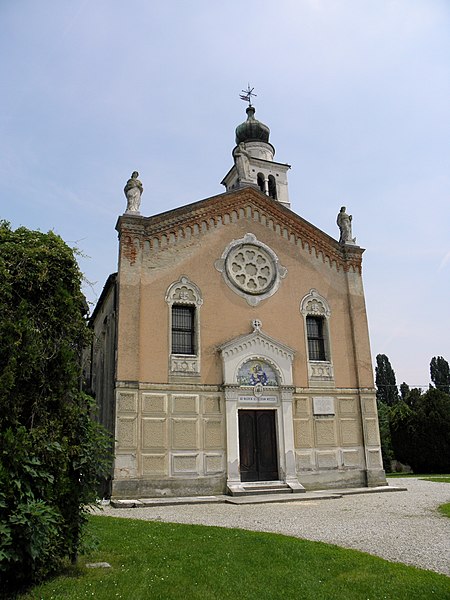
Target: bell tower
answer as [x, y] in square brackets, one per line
[254, 161]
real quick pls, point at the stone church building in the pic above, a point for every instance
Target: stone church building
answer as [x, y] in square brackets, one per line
[231, 348]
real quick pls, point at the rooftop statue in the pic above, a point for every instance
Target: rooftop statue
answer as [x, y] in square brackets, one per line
[133, 191]
[344, 222]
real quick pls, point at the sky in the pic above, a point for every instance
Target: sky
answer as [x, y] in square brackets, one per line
[355, 92]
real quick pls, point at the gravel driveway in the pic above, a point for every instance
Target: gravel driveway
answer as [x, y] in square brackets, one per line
[402, 526]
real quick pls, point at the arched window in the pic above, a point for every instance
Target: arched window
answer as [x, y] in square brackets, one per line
[316, 339]
[316, 313]
[261, 182]
[183, 329]
[184, 300]
[272, 187]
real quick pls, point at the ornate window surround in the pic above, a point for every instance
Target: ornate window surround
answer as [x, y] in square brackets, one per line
[184, 292]
[254, 279]
[320, 372]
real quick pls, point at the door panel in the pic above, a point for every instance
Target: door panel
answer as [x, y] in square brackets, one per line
[258, 445]
[247, 445]
[266, 445]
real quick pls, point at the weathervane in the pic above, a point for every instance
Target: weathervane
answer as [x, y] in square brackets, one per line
[247, 94]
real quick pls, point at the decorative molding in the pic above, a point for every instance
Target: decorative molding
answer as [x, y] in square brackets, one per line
[187, 293]
[256, 346]
[251, 269]
[184, 365]
[231, 393]
[320, 372]
[200, 217]
[184, 291]
[315, 305]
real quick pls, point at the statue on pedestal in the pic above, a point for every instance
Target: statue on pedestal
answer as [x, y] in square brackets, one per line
[344, 222]
[133, 191]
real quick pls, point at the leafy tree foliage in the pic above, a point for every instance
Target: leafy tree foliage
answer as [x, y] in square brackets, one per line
[440, 373]
[387, 452]
[387, 391]
[410, 396]
[404, 390]
[421, 433]
[52, 453]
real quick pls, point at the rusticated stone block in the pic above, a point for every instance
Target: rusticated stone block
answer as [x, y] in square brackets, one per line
[303, 433]
[154, 403]
[154, 433]
[184, 434]
[213, 433]
[325, 432]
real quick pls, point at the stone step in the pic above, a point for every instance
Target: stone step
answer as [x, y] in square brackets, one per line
[267, 489]
[253, 488]
[284, 497]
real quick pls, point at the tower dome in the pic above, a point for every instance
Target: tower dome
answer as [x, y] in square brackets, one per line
[254, 163]
[252, 130]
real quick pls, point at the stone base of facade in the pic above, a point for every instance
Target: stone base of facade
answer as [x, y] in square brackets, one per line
[376, 477]
[161, 488]
[327, 480]
[183, 487]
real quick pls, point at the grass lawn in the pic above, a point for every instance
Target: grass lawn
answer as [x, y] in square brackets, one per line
[435, 477]
[438, 478]
[152, 561]
[445, 509]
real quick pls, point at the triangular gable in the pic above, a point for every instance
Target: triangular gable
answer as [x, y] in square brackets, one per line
[199, 217]
[256, 345]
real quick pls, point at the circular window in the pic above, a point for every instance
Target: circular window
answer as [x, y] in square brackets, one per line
[250, 268]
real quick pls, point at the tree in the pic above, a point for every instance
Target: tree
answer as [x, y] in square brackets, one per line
[387, 452]
[410, 396]
[387, 391]
[421, 434]
[387, 395]
[52, 453]
[440, 374]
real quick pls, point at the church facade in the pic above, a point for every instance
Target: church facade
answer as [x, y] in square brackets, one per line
[231, 348]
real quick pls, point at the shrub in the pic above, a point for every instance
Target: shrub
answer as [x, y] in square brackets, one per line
[52, 453]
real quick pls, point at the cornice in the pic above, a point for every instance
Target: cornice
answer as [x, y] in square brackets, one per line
[205, 215]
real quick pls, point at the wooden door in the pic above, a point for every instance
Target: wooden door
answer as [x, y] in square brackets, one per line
[258, 445]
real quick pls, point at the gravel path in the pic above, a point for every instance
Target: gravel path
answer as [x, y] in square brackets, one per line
[402, 526]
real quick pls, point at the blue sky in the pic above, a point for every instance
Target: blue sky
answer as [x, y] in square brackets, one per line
[356, 94]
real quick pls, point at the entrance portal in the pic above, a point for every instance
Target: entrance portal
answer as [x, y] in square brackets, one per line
[258, 445]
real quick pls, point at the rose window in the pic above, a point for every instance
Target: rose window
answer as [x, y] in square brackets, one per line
[250, 268]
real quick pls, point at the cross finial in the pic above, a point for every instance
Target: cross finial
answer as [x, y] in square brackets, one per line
[256, 324]
[247, 94]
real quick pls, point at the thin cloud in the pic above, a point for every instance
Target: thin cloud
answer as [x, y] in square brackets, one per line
[444, 262]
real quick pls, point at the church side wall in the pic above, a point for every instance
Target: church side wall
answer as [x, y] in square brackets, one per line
[102, 378]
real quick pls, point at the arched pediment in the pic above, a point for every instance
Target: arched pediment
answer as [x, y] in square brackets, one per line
[314, 304]
[184, 291]
[256, 346]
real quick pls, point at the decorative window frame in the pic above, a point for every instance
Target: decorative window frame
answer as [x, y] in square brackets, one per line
[278, 271]
[320, 372]
[185, 293]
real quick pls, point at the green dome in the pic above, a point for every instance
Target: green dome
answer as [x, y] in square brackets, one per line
[252, 130]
